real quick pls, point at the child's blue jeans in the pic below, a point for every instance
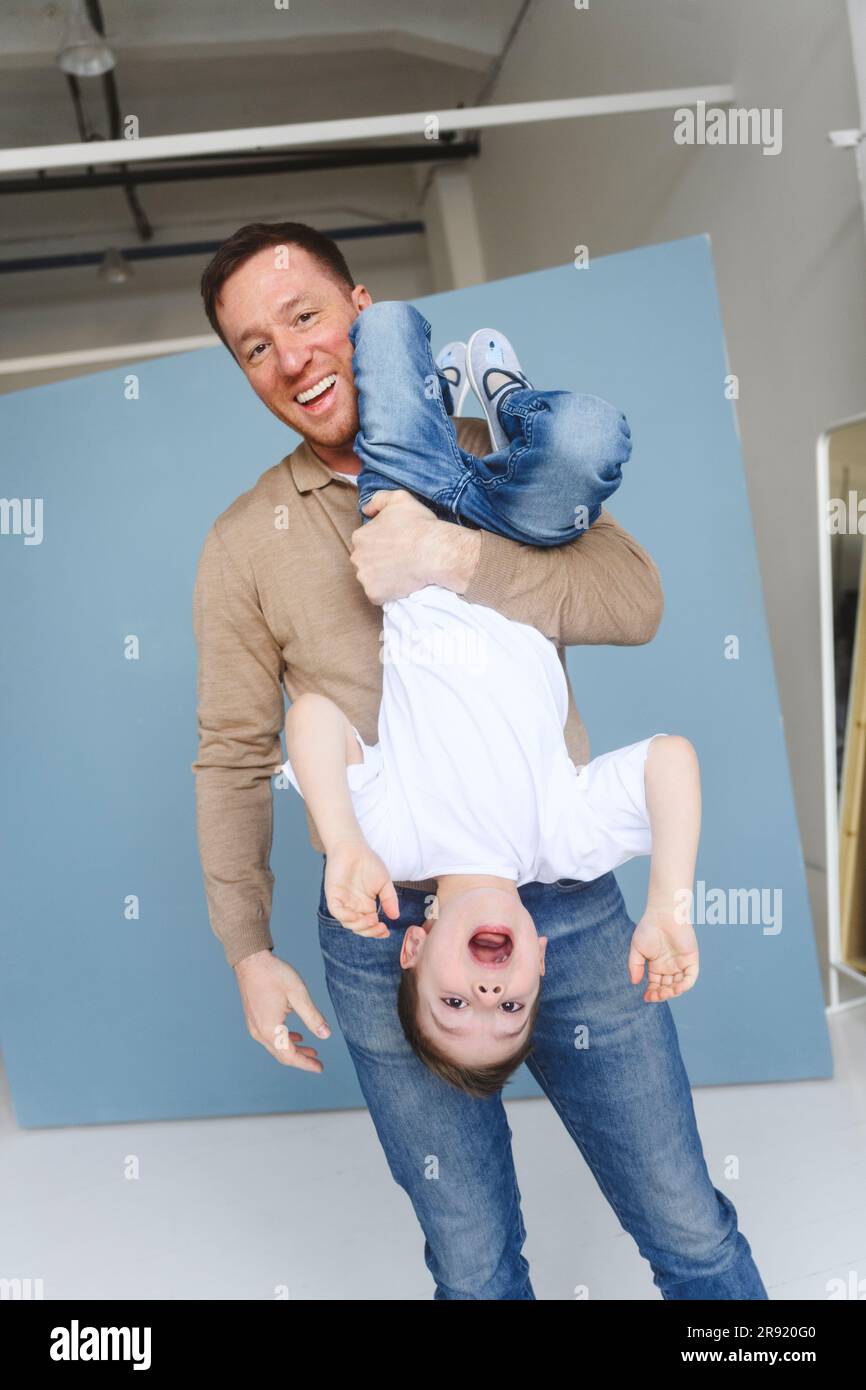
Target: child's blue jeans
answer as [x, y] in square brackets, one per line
[563, 459]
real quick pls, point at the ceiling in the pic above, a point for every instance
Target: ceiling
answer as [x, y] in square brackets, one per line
[222, 64]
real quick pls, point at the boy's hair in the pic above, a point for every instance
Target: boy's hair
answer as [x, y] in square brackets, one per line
[475, 1081]
[257, 236]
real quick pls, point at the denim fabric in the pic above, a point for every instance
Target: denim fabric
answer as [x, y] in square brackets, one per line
[624, 1099]
[565, 451]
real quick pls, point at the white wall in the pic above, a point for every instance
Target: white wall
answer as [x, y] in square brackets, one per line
[63, 310]
[788, 242]
[392, 268]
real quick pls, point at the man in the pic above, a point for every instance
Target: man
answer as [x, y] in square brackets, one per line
[286, 597]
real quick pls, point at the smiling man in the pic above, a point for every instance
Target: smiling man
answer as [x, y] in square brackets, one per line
[286, 597]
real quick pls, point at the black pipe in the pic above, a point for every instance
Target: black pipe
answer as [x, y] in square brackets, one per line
[190, 248]
[115, 130]
[256, 162]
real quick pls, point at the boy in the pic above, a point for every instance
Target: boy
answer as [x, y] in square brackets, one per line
[470, 782]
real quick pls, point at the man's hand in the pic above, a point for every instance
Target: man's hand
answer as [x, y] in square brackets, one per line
[270, 988]
[407, 547]
[354, 878]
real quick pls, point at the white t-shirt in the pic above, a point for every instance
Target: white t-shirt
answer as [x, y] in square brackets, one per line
[471, 773]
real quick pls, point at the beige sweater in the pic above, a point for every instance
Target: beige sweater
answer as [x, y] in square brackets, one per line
[277, 606]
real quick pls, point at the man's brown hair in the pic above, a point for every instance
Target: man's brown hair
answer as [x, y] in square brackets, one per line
[475, 1081]
[257, 236]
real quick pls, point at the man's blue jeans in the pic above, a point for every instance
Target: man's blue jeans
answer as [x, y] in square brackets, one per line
[610, 1065]
[563, 460]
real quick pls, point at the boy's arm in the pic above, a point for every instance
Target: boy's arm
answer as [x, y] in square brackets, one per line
[320, 745]
[240, 716]
[600, 588]
[317, 740]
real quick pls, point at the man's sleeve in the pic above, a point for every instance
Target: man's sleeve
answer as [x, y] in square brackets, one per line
[240, 717]
[601, 587]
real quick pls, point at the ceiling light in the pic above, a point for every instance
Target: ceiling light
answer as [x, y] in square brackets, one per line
[84, 52]
[114, 268]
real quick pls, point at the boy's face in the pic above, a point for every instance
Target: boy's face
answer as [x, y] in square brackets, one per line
[287, 323]
[479, 962]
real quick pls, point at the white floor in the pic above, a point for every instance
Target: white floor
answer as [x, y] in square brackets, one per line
[242, 1208]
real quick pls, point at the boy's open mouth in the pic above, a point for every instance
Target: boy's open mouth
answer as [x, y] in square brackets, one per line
[491, 946]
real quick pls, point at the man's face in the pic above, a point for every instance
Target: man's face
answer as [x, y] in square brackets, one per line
[287, 322]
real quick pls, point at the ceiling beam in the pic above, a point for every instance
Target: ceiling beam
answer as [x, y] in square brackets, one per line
[351, 130]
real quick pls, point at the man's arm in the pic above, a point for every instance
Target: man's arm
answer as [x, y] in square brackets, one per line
[600, 588]
[240, 715]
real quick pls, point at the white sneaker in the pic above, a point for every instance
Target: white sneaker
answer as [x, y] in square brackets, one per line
[452, 363]
[493, 372]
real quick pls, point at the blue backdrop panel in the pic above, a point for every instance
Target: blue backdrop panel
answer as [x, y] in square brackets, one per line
[107, 1017]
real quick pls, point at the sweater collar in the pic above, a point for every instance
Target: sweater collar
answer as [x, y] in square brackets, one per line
[308, 470]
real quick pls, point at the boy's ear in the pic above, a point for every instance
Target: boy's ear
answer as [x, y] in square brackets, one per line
[412, 944]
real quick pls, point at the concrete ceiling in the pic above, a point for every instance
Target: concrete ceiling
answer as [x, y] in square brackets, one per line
[218, 64]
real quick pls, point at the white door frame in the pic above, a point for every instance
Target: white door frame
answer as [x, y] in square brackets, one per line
[828, 701]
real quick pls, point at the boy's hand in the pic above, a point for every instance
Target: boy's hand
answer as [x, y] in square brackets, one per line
[670, 950]
[354, 878]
